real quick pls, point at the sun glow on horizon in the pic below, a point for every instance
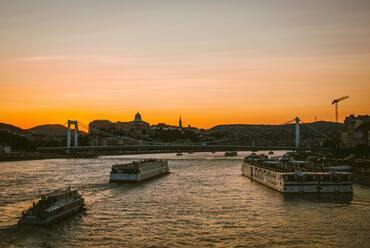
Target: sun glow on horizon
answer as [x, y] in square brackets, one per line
[218, 63]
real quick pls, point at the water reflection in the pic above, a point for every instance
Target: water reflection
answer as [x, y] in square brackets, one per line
[342, 198]
[204, 201]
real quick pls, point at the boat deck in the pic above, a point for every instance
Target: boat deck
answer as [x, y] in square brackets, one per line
[135, 165]
[291, 170]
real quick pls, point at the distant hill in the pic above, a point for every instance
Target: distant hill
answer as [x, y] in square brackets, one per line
[275, 135]
[29, 139]
[321, 125]
[14, 129]
[51, 130]
[236, 134]
[14, 136]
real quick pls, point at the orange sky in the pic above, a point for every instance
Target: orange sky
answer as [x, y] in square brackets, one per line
[212, 62]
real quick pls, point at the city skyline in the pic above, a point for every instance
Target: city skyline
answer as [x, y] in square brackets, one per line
[184, 123]
[212, 62]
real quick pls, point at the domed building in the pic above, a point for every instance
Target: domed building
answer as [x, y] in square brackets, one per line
[138, 117]
[135, 129]
[138, 127]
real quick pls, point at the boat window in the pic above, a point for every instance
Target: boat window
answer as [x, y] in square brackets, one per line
[291, 178]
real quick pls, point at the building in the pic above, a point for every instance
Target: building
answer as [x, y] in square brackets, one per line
[163, 127]
[99, 131]
[105, 132]
[100, 125]
[5, 149]
[193, 129]
[160, 127]
[122, 128]
[138, 127]
[357, 132]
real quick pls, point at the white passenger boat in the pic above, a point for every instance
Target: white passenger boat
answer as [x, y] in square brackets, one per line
[138, 170]
[52, 207]
[289, 176]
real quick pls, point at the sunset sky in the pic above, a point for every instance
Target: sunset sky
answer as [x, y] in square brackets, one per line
[213, 62]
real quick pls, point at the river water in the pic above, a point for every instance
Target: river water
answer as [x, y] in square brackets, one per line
[204, 201]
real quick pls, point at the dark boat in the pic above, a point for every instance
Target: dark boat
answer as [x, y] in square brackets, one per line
[231, 154]
[53, 206]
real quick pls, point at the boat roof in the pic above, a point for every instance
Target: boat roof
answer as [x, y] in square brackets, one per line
[304, 171]
[135, 164]
[299, 162]
[58, 192]
[317, 173]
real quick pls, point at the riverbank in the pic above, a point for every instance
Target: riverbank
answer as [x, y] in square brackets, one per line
[41, 156]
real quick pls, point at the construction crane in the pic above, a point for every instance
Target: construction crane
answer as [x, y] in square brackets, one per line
[335, 101]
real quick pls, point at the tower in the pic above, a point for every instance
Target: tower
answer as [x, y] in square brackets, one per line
[180, 123]
[75, 124]
[297, 133]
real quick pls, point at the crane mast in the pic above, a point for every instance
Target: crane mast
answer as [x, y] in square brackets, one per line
[336, 101]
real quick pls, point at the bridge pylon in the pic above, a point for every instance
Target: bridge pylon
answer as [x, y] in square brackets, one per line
[297, 132]
[75, 124]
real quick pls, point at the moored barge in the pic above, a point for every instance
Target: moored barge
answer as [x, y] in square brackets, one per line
[53, 206]
[231, 154]
[138, 170]
[291, 176]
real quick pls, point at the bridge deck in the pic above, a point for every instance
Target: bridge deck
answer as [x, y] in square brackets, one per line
[174, 148]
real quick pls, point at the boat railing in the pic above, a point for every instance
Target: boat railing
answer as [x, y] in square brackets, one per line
[289, 166]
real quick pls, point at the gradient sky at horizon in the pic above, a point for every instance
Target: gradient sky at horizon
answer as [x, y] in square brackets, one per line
[213, 62]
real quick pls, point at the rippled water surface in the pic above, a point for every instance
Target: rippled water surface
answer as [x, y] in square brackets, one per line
[203, 202]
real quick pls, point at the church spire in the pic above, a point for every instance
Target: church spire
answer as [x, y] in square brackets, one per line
[180, 123]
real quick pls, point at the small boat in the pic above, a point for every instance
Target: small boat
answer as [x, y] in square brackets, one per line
[138, 170]
[231, 154]
[53, 206]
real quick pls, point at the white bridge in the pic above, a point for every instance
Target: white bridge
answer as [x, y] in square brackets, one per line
[69, 124]
[161, 147]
